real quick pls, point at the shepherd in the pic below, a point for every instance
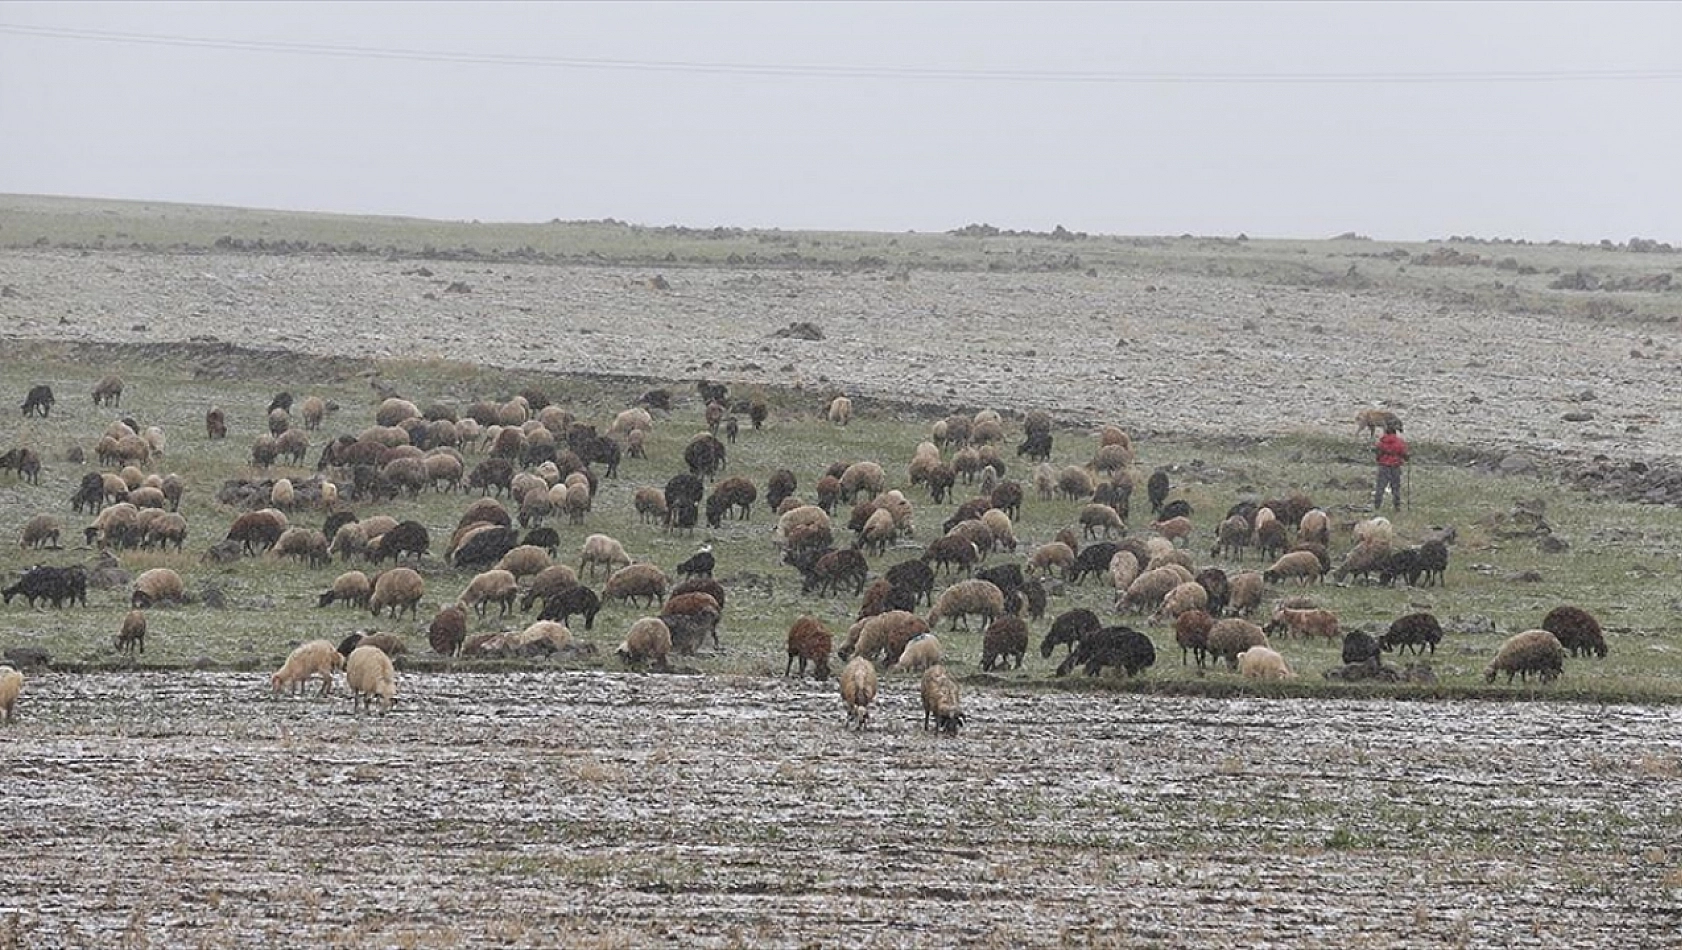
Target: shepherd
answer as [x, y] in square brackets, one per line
[1392, 452]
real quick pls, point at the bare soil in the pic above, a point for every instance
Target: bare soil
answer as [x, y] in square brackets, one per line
[579, 810]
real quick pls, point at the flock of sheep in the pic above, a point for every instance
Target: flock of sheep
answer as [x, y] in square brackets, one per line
[534, 464]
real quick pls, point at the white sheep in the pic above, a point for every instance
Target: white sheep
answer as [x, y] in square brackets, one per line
[921, 653]
[1263, 663]
[370, 676]
[315, 658]
[11, 684]
[400, 589]
[602, 549]
[648, 641]
[841, 410]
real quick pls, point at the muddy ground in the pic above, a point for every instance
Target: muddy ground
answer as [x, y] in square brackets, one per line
[583, 809]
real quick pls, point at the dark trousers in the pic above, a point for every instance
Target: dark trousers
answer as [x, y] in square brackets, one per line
[1391, 476]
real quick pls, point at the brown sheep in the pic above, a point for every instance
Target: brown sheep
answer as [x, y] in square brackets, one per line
[448, 630]
[399, 589]
[132, 636]
[1004, 638]
[886, 634]
[940, 701]
[494, 586]
[809, 641]
[1304, 566]
[315, 658]
[648, 641]
[1191, 632]
[636, 582]
[961, 600]
[1232, 636]
[1533, 651]
[858, 691]
[1304, 623]
[351, 588]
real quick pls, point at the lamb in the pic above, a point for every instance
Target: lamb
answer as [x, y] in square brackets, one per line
[315, 658]
[1232, 636]
[1263, 663]
[132, 635]
[922, 652]
[159, 585]
[11, 684]
[1533, 651]
[810, 642]
[41, 531]
[1304, 566]
[1004, 638]
[886, 634]
[1191, 632]
[1577, 630]
[1416, 630]
[968, 597]
[648, 641]
[370, 676]
[1111, 646]
[448, 630]
[604, 550]
[636, 582]
[940, 701]
[492, 586]
[840, 411]
[399, 589]
[1304, 623]
[858, 691]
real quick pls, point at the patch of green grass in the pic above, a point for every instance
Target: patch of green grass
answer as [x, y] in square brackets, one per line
[1621, 561]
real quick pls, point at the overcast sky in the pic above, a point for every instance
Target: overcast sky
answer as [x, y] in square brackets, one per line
[1400, 121]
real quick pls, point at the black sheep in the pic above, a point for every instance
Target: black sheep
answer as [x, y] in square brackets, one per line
[1433, 562]
[1577, 631]
[408, 537]
[1178, 508]
[61, 585]
[700, 564]
[39, 401]
[1094, 559]
[546, 538]
[1359, 647]
[685, 489]
[1111, 646]
[1157, 489]
[779, 486]
[915, 576]
[1006, 577]
[1403, 563]
[1215, 583]
[1417, 630]
[26, 462]
[579, 600]
[1037, 447]
[486, 547]
[1069, 627]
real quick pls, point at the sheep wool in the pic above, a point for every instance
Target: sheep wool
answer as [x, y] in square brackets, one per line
[1262, 663]
[858, 691]
[940, 701]
[315, 658]
[370, 676]
[11, 685]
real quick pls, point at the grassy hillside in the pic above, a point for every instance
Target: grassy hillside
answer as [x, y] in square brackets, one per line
[1619, 560]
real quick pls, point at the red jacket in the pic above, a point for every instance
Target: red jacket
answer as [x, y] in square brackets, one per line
[1392, 451]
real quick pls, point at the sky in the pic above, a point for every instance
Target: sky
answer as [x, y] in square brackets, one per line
[1400, 121]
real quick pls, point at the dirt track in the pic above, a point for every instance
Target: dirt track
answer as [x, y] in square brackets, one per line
[561, 809]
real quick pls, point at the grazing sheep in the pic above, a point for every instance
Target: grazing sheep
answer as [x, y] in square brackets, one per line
[525, 561]
[108, 391]
[1433, 562]
[1191, 632]
[915, 576]
[1359, 647]
[1232, 536]
[132, 635]
[549, 582]
[41, 531]
[399, 589]
[1183, 597]
[1304, 623]
[863, 477]
[160, 585]
[1263, 663]
[1004, 638]
[577, 599]
[491, 587]
[1094, 517]
[1150, 590]
[840, 410]
[1052, 554]
[370, 676]
[315, 658]
[448, 630]
[952, 552]
[1533, 651]
[922, 652]
[1303, 566]
[810, 642]
[1315, 526]
[215, 423]
[1370, 421]
[1110, 646]
[11, 685]
[600, 549]
[885, 634]
[649, 641]
[965, 598]
[1577, 630]
[1416, 630]
[1093, 559]
[1232, 636]
[877, 532]
[38, 401]
[306, 544]
[390, 643]
[940, 701]
[543, 638]
[1376, 529]
[1069, 627]
[636, 582]
[650, 504]
[858, 691]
